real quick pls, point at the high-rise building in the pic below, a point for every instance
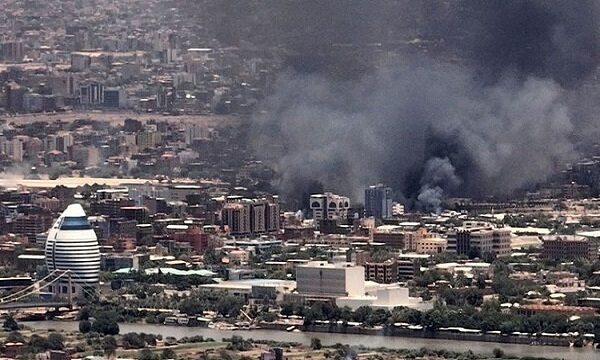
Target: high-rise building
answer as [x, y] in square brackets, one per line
[72, 245]
[329, 206]
[92, 93]
[247, 217]
[194, 131]
[236, 216]
[378, 201]
[147, 139]
[115, 97]
[12, 51]
[15, 95]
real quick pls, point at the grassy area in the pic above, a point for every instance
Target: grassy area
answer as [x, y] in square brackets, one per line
[315, 354]
[178, 348]
[201, 346]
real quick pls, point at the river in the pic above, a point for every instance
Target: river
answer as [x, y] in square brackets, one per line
[351, 339]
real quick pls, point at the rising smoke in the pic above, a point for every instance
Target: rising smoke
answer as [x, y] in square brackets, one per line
[490, 122]
[437, 175]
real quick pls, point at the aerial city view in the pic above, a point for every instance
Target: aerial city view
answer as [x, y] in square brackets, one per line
[300, 179]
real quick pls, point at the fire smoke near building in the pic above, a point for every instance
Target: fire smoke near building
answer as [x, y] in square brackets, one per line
[482, 111]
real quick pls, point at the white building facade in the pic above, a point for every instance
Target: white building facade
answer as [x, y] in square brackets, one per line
[72, 246]
[320, 278]
[329, 206]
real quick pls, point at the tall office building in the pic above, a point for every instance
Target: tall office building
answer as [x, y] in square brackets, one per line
[378, 201]
[92, 93]
[14, 98]
[72, 245]
[329, 206]
[12, 51]
[248, 217]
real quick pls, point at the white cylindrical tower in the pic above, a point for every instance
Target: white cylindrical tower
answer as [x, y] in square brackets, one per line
[72, 245]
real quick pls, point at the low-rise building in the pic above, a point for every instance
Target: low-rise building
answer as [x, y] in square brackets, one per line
[382, 272]
[475, 239]
[533, 309]
[568, 248]
[432, 245]
[409, 264]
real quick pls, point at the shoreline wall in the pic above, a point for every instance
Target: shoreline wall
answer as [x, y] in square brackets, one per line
[400, 332]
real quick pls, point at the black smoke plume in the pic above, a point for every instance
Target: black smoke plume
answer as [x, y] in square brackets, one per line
[382, 128]
[470, 89]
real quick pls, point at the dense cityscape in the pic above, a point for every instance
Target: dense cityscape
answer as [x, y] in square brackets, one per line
[299, 180]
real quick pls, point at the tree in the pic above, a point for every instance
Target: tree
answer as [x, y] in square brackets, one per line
[237, 343]
[84, 313]
[480, 282]
[461, 280]
[426, 295]
[489, 257]
[210, 257]
[106, 324]
[362, 313]
[56, 341]
[168, 353]
[433, 319]
[498, 353]
[85, 326]
[147, 354]
[109, 346]
[377, 317]
[191, 306]
[287, 309]
[345, 352]
[230, 305]
[133, 340]
[315, 344]
[37, 344]
[16, 336]
[10, 324]
[571, 299]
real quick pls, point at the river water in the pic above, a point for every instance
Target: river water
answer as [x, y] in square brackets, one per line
[351, 339]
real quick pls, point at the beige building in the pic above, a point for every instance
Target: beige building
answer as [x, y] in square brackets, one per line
[321, 279]
[569, 248]
[475, 239]
[404, 236]
[245, 217]
[147, 139]
[239, 256]
[431, 245]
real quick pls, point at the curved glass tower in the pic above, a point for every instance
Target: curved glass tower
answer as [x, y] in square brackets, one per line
[72, 245]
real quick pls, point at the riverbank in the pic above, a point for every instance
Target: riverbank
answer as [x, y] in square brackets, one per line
[151, 346]
[401, 330]
[330, 339]
[543, 340]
